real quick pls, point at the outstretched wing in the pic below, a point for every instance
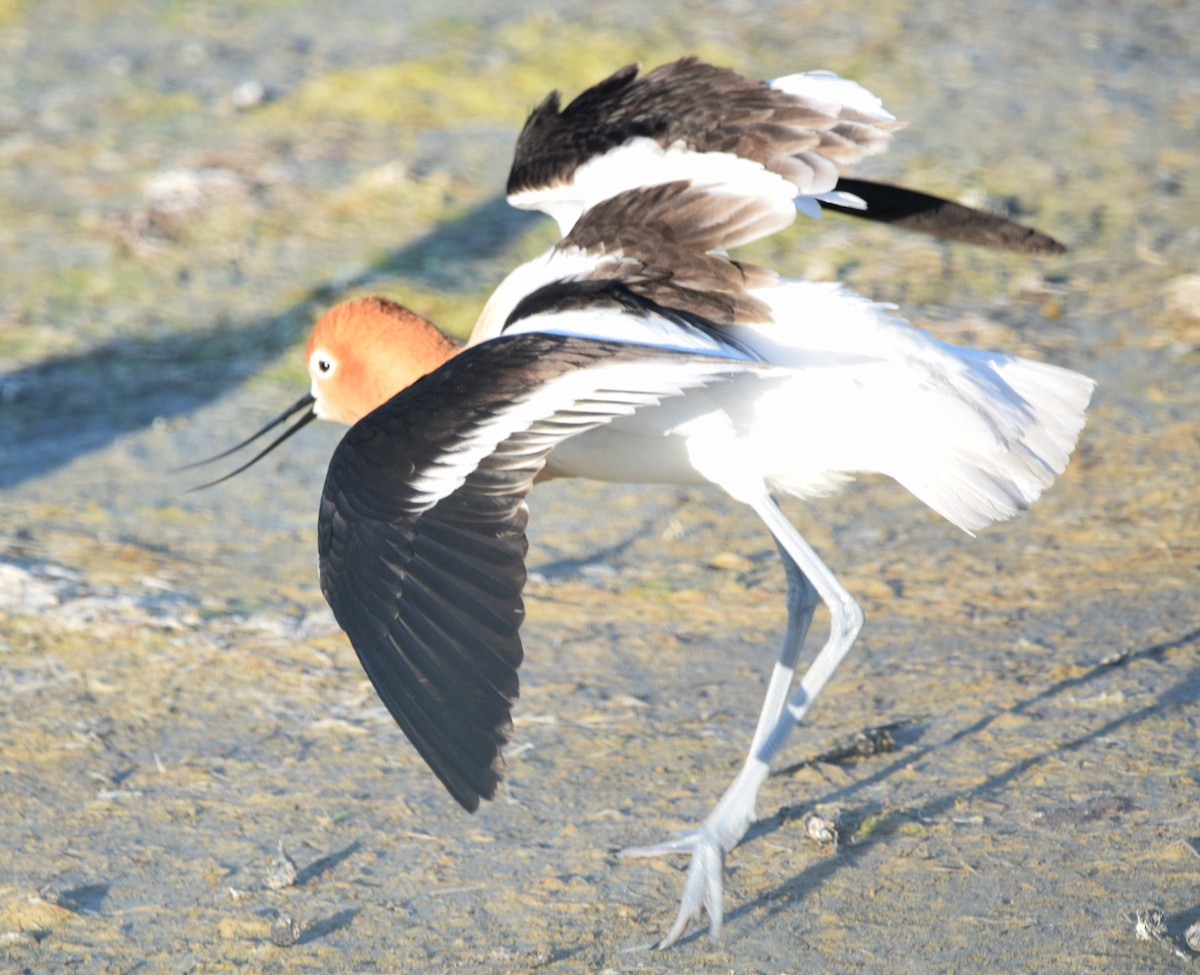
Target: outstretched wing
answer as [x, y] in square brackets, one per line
[422, 527]
[785, 141]
[691, 120]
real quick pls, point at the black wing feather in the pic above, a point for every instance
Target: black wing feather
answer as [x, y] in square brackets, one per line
[421, 534]
[930, 214]
[709, 109]
[713, 109]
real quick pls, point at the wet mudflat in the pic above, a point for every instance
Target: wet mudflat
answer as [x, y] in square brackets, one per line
[183, 187]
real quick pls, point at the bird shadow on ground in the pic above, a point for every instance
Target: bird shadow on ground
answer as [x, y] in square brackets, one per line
[567, 567]
[85, 899]
[887, 822]
[328, 862]
[64, 407]
[328, 925]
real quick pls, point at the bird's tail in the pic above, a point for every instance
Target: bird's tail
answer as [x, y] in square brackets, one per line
[995, 438]
[975, 435]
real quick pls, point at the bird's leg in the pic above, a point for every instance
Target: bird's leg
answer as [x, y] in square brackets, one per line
[802, 600]
[845, 621]
[808, 579]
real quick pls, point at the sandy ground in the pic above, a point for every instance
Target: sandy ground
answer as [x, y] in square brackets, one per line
[183, 186]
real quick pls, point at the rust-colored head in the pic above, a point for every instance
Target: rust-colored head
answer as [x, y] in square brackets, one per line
[360, 354]
[363, 352]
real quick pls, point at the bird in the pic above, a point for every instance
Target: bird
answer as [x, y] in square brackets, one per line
[635, 130]
[636, 350]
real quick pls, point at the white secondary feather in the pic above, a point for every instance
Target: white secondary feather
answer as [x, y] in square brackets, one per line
[556, 264]
[605, 391]
[832, 92]
[642, 162]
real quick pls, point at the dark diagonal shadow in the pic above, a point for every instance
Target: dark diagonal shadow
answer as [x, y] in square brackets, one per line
[67, 406]
[327, 862]
[327, 925]
[86, 899]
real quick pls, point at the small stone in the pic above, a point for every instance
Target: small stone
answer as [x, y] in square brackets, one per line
[1028, 285]
[1183, 297]
[1148, 925]
[285, 932]
[1192, 936]
[823, 828]
[249, 94]
[193, 53]
[281, 872]
[1051, 308]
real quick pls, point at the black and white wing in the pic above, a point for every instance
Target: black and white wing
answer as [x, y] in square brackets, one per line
[785, 140]
[422, 527]
[691, 120]
[642, 267]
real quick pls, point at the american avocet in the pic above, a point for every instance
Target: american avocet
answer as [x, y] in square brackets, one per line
[690, 120]
[636, 351]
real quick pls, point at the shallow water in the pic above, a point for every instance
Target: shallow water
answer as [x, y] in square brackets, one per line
[175, 699]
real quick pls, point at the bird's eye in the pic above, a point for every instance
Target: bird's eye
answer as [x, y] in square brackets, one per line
[324, 365]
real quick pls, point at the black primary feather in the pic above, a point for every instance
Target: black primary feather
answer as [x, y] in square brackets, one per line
[421, 534]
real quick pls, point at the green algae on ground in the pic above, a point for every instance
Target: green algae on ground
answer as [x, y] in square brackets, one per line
[525, 62]
[11, 13]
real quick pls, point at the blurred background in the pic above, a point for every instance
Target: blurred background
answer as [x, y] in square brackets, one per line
[185, 186]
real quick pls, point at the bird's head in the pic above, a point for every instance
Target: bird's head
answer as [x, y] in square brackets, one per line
[360, 354]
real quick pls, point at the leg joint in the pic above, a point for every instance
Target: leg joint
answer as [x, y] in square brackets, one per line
[846, 618]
